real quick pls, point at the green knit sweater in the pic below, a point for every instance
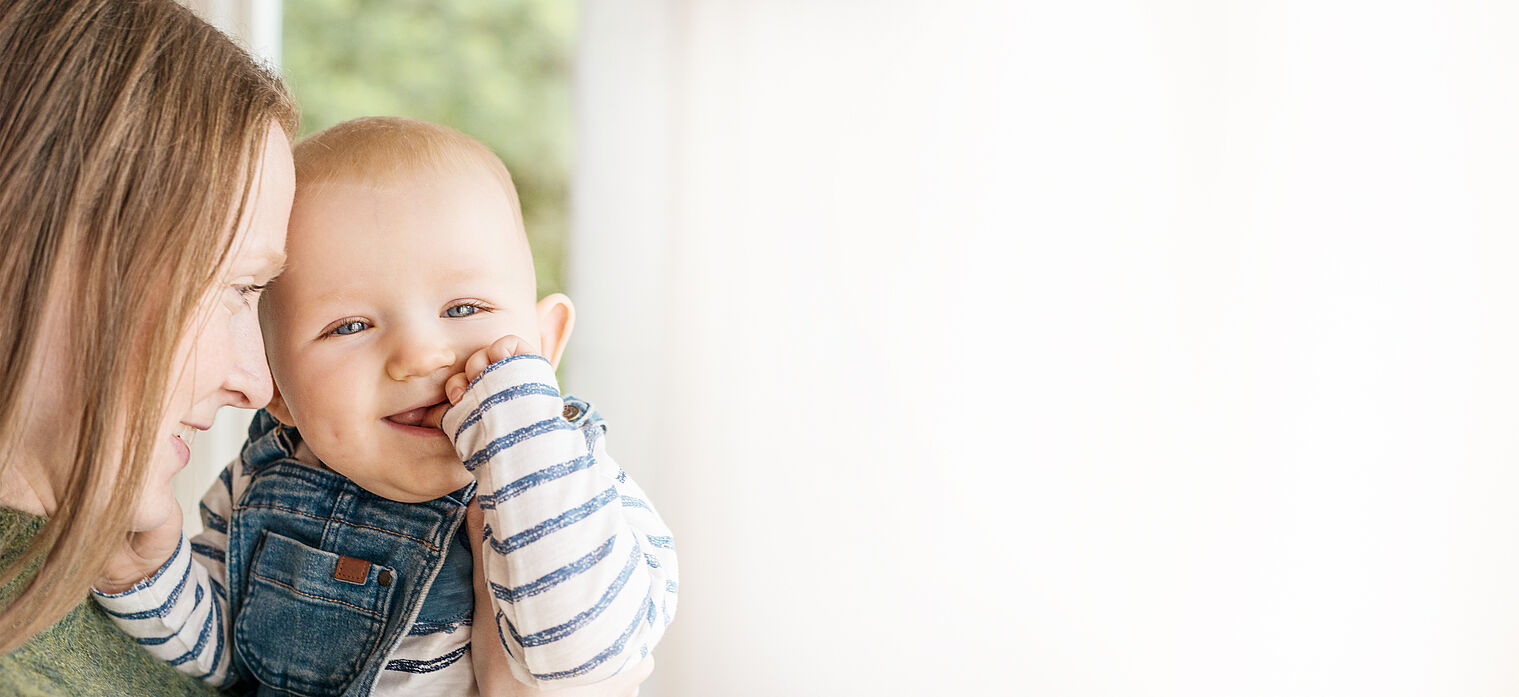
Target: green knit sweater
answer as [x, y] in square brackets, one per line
[83, 654]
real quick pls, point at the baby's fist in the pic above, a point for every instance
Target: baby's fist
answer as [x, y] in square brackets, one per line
[509, 345]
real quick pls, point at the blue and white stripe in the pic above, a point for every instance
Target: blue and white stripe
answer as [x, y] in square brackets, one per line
[177, 614]
[581, 568]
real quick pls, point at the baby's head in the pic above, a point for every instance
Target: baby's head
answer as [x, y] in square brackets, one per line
[406, 255]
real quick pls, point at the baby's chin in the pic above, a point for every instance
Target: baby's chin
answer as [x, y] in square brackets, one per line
[419, 497]
[414, 485]
[416, 490]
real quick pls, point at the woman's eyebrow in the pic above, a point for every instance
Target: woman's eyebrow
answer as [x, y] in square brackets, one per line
[271, 259]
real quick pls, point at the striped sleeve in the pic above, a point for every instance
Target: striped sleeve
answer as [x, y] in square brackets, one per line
[179, 613]
[581, 568]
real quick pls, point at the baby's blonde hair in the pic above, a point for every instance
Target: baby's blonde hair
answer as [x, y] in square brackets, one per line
[380, 150]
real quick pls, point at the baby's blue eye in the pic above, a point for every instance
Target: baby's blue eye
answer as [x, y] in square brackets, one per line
[461, 310]
[352, 327]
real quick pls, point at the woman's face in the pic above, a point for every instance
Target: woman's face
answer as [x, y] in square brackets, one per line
[221, 360]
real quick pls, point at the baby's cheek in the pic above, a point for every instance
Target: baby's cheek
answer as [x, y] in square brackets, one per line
[335, 443]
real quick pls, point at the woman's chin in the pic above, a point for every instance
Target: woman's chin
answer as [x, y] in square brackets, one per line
[155, 508]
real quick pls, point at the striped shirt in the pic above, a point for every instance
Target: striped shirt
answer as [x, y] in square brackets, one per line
[582, 570]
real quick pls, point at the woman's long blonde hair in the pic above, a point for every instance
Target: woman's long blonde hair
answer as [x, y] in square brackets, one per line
[130, 135]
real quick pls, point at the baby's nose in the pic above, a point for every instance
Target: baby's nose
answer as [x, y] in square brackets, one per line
[418, 359]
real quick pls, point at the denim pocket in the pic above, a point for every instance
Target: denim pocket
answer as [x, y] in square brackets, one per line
[300, 628]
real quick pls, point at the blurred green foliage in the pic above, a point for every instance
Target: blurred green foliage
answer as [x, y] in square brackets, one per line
[498, 70]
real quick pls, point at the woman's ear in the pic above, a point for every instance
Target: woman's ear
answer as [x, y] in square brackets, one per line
[278, 409]
[556, 319]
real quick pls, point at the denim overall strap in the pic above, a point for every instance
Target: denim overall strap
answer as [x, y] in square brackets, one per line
[324, 577]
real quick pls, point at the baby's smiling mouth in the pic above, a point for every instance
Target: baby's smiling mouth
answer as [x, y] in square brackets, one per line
[427, 416]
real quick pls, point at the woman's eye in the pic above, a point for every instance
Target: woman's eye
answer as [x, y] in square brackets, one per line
[249, 293]
[350, 327]
[461, 310]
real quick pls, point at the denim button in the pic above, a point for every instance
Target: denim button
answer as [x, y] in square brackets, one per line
[571, 412]
[383, 577]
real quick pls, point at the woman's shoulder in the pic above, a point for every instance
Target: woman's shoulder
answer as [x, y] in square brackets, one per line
[83, 653]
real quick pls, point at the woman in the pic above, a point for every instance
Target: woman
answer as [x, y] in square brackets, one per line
[145, 184]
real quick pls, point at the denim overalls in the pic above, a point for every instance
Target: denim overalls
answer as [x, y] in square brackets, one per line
[325, 578]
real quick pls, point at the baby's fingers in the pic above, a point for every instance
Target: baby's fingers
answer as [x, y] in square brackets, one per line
[455, 387]
[506, 346]
[476, 364]
[509, 345]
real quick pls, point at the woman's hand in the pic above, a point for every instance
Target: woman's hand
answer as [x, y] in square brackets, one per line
[492, 671]
[141, 554]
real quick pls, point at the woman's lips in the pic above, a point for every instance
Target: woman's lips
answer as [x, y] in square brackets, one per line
[181, 449]
[181, 438]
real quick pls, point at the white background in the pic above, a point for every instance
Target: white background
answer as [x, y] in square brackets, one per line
[1100, 347]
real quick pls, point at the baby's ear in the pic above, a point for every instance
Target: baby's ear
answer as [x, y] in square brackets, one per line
[278, 409]
[556, 319]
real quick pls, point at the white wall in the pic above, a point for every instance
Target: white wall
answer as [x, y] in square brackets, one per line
[1108, 347]
[256, 23]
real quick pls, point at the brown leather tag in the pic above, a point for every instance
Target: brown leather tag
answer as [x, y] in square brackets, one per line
[352, 570]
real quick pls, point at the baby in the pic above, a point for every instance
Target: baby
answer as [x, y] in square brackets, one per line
[414, 374]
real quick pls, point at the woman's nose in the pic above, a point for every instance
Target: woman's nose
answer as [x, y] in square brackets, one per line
[418, 357]
[248, 380]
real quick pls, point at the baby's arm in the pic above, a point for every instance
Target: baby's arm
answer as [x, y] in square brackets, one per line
[179, 614]
[492, 670]
[582, 570]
